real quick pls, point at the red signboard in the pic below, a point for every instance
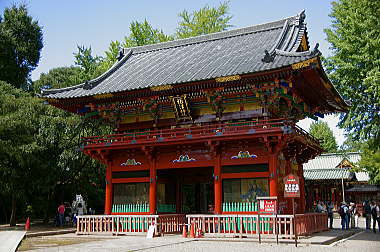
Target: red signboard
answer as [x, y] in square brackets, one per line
[292, 186]
[267, 205]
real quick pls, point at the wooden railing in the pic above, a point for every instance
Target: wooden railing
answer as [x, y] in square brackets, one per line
[269, 226]
[124, 224]
[309, 223]
[171, 223]
[243, 225]
[199, 132]
[281, 226]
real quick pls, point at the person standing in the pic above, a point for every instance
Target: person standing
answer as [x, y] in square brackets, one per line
[355, 216]
[330, 215]
[378, 216]
[343, 211]
[61, 214]
[367, 214]
[374, 211]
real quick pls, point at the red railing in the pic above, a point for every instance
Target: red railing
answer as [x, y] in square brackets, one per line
[200, 132]
[125, 224]
[309, 223]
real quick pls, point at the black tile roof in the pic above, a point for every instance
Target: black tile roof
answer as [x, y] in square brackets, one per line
[204, 57]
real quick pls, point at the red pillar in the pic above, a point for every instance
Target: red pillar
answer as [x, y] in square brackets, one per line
[218, 184]
[108, 198]
[302, 189]
[152, 186]
[273, 179]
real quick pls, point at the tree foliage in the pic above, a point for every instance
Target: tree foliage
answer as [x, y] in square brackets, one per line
[204, 21]
[144, 34]
[354, 66]
[60, 77]
[322, 131]
[370, 162]
[20, 46]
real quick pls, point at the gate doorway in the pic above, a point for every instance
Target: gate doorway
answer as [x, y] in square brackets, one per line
[185, 190]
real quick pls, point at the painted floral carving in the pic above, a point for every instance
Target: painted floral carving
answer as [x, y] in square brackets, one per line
[244, 154]
[130, 162]
[184, 158]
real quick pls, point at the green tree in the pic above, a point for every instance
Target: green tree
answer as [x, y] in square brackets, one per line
[19, 123]
[322, 131]
[59, 78]
[204, 21]
[370, 162]
[144, 34]
[20, 46]
[354, 67]
[87, 62]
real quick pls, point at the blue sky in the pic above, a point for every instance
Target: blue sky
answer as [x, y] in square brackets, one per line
[95, 23]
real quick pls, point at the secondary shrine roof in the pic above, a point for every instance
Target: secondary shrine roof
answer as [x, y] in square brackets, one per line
[252, 49]
[334, 166]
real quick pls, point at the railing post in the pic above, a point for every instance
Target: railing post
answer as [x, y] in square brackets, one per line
[258, 227]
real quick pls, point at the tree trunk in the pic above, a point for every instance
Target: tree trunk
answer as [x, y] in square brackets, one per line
[12, 221]
[47, 208]
[4, 210]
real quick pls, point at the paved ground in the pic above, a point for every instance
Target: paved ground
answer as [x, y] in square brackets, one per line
[9, 240]
[358, 240]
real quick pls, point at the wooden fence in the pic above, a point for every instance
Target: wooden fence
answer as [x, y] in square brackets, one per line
[270, 226]
[124, 224]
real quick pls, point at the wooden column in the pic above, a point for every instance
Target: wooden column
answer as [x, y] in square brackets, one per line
[152, 185]
[273, 180]
[218, 183]
[302, 189]
[108, 198]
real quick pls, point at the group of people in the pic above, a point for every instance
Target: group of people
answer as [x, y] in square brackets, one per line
[66, 215]
[349, 213]
[371, 211]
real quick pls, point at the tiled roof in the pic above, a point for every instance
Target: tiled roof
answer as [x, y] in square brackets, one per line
[204, 57]
[335, 173]
[331, 160]
[362, 176]
[327, 166]
[364, 188]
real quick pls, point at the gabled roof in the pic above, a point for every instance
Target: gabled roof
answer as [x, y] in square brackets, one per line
[334, 166]
[247, 50]
[331, 160]
[323, 174]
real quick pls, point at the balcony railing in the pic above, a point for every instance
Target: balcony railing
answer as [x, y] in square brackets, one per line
[204, 132]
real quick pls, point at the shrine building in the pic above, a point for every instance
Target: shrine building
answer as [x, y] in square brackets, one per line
[206, 124]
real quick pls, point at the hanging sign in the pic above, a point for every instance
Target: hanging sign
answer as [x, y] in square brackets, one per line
[181, 108]
[267, 205]
[292, 186]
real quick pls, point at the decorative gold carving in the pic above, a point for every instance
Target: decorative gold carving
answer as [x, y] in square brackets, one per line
[303, 45]
[181, 108]
[228, 78]
[161, 88]
[103, 96]
[305, 63]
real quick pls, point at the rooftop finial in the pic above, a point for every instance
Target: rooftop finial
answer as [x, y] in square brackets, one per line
[268, 57]
[121, 54]
[302, 16]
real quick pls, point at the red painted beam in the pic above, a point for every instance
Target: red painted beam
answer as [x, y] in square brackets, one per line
[129, 180]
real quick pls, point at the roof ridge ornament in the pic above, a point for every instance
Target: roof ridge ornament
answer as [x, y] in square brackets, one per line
[315, 50]
[302, 17]
[268, 57]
